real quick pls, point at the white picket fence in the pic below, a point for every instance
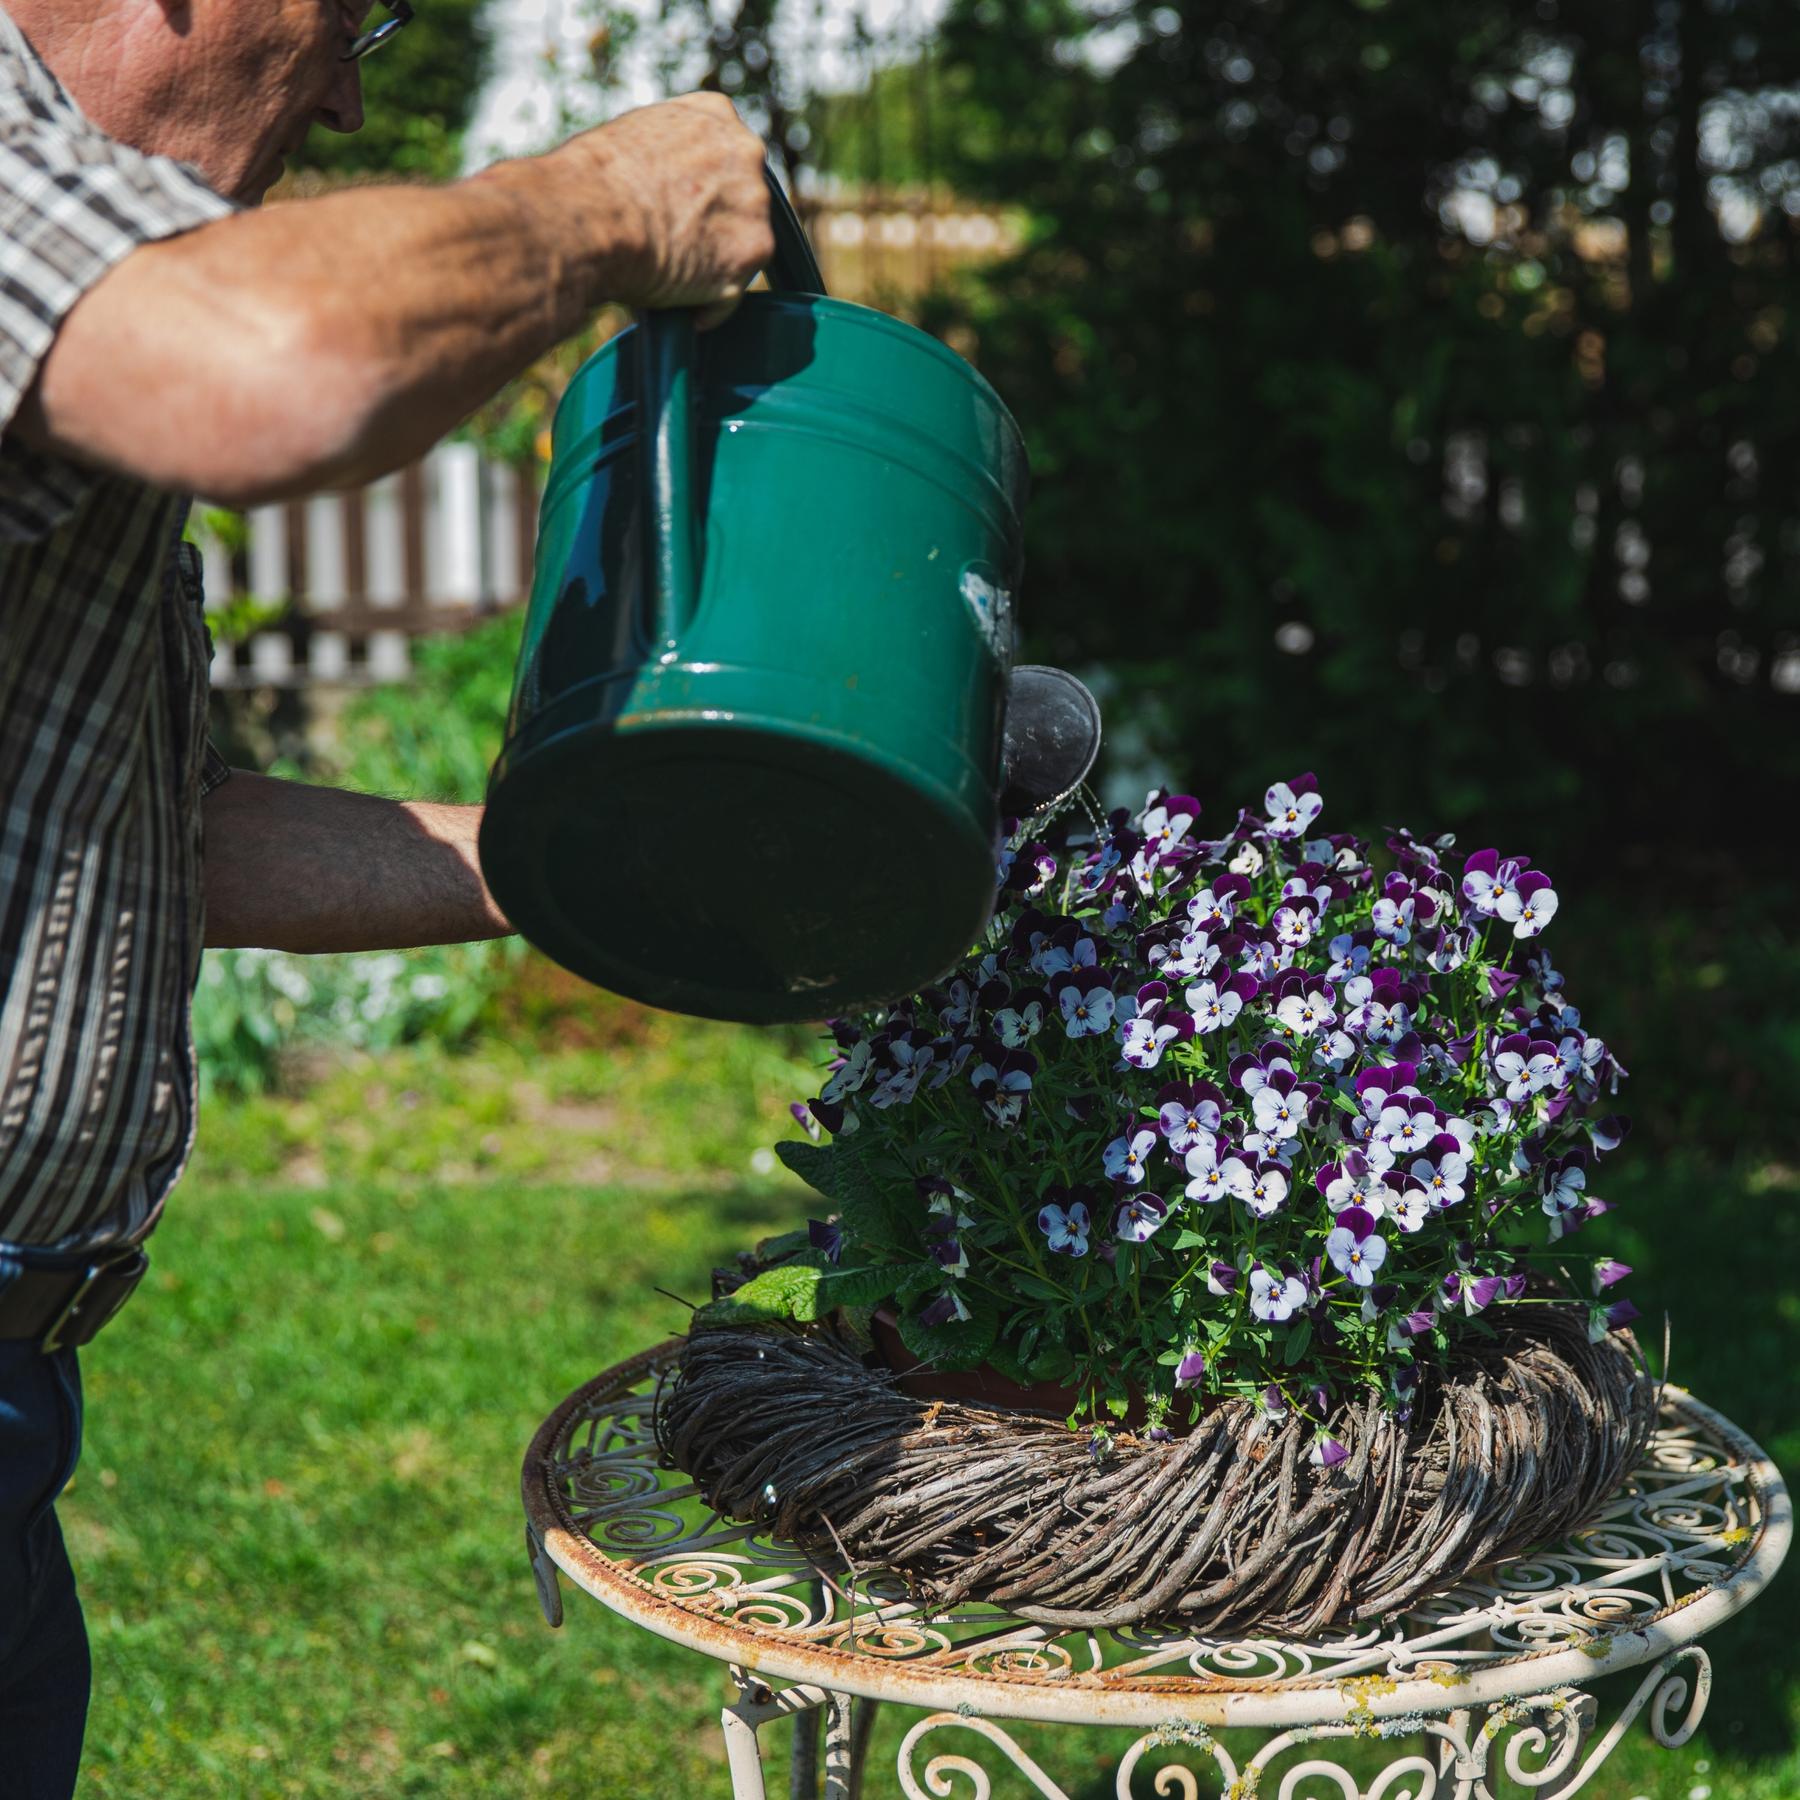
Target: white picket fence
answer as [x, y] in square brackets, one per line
[430, 548]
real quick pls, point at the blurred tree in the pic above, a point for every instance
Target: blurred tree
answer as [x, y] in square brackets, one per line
[419, 90]
[1411, 392]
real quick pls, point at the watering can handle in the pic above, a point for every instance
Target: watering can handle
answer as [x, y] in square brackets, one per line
[666, 369]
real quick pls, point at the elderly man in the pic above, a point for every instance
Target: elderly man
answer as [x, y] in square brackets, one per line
[158, 339]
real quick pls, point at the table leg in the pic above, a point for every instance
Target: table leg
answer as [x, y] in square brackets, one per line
[847, 1725]
[1586, 1710]
[743, 1755]
[803, 1774]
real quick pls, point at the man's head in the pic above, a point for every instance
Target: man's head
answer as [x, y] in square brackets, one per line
[231, 86]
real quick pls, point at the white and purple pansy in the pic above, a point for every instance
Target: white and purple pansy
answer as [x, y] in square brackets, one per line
[850, 1074]
[1213, 908]
[1209, 1177]
[1280, 1106]
[1087, 1005]
[1306, 1011]
[1353, 1246]
[1275, 1296]
[1602, 1319]
[1002, 1087]
[1190, 1371]
[1327, 1452]
[1065, 1227]
[1126, 1158]
[948, 1307]
[1441, 1175]
[1489, 879]
[1144, 1037]
[1565, 1184]
[1187, 1112]
[1018, 1022]
[1408, 1205]
[1526, 1065]
[1296, 923]
[1292, 806]
[1138, 1217]
[1216, 1005]
[1530, 906]
[1221, 1279]
[1264, 1189]
[1167, 819]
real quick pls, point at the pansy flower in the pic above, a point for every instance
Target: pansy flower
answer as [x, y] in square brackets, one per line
[1191, 1370]
[803, 1117]
[948, 1306]
[1295, 924]
[1192, 956]
[1306, 1013]
[1002, 1087]
[850, 1073]
[1602, 1319]
[1526, 1065]
[1275, 1297]
[1210, 1179]
[1292, 806]
[1280, 1106]
[1216, 1005]
[1263, 1189]
[1187, 1112]
[1408, 1205]
[1087, 1011]
[1017, 1023]
[1138, 1217]
[1221, 1279]
[1327, 1452]
[1126, 1157]
[1488, 880]
[1530, 906]
[1565, 1180]
[1167, 820]
[1443, 1178]
[1065, 1227]
[1353, 1246]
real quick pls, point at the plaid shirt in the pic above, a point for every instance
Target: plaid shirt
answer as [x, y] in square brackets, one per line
[103, 749]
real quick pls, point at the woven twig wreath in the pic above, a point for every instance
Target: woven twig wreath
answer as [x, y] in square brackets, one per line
[1230, 1529]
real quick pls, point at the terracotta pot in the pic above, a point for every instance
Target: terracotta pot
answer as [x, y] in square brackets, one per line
[988, 1387]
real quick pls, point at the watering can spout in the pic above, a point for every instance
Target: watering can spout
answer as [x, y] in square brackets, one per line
[1052, 738]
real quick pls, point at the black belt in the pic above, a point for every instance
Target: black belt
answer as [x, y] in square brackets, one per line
[63, 1302]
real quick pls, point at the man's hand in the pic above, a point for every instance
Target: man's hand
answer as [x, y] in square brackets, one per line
[693, 175]
[323, 343]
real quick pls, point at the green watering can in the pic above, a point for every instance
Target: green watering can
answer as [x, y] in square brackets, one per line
[765, 721]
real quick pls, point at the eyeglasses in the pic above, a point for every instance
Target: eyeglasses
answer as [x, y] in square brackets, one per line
[400, 14]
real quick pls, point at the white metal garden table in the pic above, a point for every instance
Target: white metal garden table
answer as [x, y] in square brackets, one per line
[1486, 1680]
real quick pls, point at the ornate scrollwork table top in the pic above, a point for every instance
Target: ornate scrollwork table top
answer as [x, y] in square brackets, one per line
[1694, 1536]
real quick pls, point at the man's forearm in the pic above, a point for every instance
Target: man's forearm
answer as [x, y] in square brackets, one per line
[326, 342]
[295, 867]
[272, 372]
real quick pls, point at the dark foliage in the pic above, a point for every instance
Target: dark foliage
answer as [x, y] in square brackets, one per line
[1497, 524]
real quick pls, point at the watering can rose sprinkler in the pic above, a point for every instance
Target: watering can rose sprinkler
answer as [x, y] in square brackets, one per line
[765, 723]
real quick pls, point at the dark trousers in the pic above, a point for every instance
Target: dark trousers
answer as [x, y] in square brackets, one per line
[44, 1669]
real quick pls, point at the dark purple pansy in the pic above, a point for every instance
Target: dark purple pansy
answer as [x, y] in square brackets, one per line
[826, 1235]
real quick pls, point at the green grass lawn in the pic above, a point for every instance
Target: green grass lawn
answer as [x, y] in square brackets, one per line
[297, 1523]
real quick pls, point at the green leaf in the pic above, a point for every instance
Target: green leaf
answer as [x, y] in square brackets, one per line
[1036, 1289]
[855, 1287]
[1051, 1364]
[868, 1204]
[959, 1344]
[1189, 1240]
[785, 1244]
[1297, 1341]
[787, 1292]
